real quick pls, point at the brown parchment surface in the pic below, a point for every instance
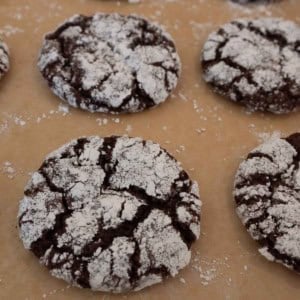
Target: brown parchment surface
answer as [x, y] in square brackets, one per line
[207, 134]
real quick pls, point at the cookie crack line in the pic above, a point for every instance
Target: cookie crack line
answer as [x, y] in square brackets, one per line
[151, 204]
[156, 203]
[143, 63]
[93, 229]
[136, 89]
[228, 61]
[245, 72]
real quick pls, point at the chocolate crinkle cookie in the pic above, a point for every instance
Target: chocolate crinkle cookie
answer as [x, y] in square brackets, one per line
[267, 194]
[4, 59]
[111, 214]
[110, 63]
[255, 63]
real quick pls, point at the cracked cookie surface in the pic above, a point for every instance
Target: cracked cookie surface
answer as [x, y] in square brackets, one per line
[267, 194]
[110, 63]
[111, 214]
[4, 59]
[255, 63]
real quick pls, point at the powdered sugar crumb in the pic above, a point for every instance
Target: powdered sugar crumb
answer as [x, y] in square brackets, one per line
[209, 269]
[9, 30]
[182, 280]
[9, 169]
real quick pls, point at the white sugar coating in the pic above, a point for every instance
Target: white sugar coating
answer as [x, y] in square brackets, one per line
[267, 79]
[91, 208]
[280, 150]
[154, 171]
[222, 73]
[81, 227]
[252, 191]
[282, 154]
[245, 87]
[291, 66]
[246, 56]
[103, 276]
[4, 58]
[256, 165]
[271, 209]
[288, 29]
[109, 63]
[264, 252]
[184, 215]
[257, 52]
[161, 244]
[33, 227]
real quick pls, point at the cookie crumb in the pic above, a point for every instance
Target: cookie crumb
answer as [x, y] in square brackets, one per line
[182, 280]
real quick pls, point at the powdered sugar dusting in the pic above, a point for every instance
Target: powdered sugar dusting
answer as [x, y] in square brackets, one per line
[9, 169]
[196, 18]
[268, 64]
[268, 199]
[121, 64]
[119, 201]
[9, 30]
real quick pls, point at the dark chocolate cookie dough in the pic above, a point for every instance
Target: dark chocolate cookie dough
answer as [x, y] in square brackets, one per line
[111, 214]
[267, 194]
[255, 63]
[4, 58]
[110, 63]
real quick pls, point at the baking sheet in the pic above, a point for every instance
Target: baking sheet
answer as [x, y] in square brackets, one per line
[207, 134]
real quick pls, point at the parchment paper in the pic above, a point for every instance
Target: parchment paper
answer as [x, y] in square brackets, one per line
[208, 134]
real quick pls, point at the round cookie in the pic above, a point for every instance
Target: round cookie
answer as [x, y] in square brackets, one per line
[111, 214]
[4, 59]
[110, 63]
[255, 63]
[267, 194]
